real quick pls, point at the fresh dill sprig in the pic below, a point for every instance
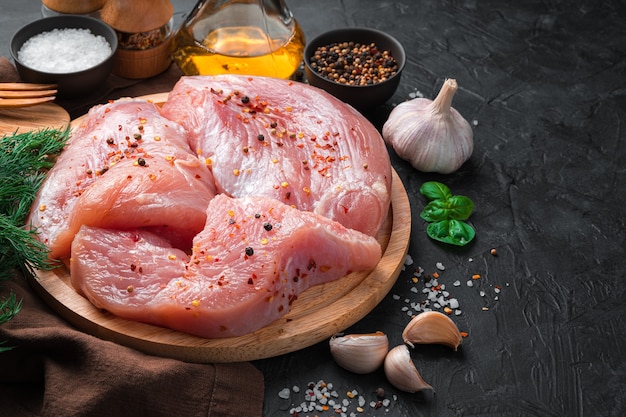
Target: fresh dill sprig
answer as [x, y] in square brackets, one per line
[24, 160]
[8, 309]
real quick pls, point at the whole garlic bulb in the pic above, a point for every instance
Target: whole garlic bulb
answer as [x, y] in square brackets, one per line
[430, 134]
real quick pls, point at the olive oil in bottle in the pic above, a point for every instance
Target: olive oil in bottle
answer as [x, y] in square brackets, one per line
[239, 37]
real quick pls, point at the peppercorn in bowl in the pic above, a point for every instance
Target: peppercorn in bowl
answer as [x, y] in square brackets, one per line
[359, 66]
[74, 52]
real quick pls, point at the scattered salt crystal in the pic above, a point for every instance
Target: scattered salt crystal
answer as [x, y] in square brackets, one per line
[496, 290]
[284, 393]
[454, 303]
[456, 283]
[413, 289]
[416, 94]
[395, 296]
[64, 51]
[475, 122]
[496, 298]
[440, 266]
[457, 312]
[482, 293]
[295, 389]
[470, 283]
[408, 260]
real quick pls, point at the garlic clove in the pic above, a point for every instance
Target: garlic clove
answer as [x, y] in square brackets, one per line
[401, 372]
[430, 134]
[360, 353]
[432, 327]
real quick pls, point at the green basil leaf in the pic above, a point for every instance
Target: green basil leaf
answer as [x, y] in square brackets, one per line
[435, 211]
[454, 232]
[434, 190]
[459, 207]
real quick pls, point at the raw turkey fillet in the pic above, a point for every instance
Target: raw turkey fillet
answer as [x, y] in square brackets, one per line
[253, 258]
[125, 166]
[289, 141]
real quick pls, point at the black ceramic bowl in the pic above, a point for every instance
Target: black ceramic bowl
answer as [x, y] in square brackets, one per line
[72, 84]
[361, 97]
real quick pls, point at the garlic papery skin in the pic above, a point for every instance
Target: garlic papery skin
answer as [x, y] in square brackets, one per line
[401, 372]
[430, 134]
[360, 353]
[432, 327]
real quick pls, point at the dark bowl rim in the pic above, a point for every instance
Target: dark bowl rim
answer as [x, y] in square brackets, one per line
[363, 29]
[78, 18]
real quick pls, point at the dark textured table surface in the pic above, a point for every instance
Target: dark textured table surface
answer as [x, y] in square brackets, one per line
[543, 84]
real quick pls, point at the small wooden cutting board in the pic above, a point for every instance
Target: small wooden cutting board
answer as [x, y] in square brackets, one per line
[26, 119]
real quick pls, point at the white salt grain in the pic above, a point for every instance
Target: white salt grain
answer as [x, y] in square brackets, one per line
[284, 393]
[64, 51]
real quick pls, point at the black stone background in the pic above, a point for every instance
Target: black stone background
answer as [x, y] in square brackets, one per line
[545, 82]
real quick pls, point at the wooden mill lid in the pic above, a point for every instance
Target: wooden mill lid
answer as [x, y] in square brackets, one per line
[134, 16]
[73, 6]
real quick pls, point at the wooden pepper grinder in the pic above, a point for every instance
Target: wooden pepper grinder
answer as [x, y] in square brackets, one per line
[144, 30]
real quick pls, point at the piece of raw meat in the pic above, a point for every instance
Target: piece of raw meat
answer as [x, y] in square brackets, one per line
[251, 261]
[289, 141]
[124, 166]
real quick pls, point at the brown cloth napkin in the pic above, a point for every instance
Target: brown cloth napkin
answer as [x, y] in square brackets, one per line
[55, 370]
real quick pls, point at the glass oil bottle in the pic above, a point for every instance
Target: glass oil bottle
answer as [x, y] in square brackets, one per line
[248, 37]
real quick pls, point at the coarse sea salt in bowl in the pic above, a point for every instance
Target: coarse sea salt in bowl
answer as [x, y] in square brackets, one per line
[374, 60]
[74, 52]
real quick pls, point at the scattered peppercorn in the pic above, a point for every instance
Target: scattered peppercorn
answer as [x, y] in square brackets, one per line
[245, 99]
[267, 226]
[141, 162]
[260, 137]
[353, 63]
[249, 251]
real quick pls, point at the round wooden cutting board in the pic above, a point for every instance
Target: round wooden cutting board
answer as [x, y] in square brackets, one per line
[317, 314]
[25, 119]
